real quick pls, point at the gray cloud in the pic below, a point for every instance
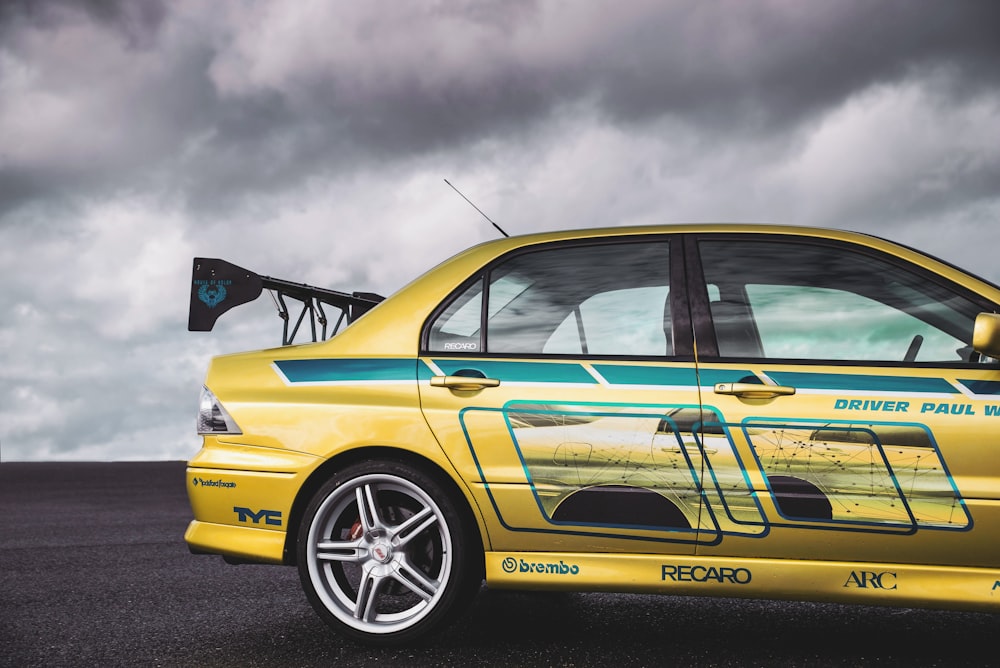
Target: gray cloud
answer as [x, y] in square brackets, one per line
[136, 21]
[207, 107]
[769, 65]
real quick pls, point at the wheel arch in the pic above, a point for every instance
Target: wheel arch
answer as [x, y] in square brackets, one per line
[472, 518]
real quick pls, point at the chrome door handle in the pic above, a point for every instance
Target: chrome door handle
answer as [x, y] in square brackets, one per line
[754, 390]
[463, 382]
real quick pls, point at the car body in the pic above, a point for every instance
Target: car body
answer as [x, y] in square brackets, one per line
[712, 410]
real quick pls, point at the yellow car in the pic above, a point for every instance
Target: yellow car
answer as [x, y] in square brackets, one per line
[749, 411]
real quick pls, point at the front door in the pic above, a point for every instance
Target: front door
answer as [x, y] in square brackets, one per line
[867, 427]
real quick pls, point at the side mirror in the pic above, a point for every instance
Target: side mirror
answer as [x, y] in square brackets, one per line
[986, 335]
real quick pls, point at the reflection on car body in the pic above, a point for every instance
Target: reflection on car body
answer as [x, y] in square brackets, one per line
[704, 410]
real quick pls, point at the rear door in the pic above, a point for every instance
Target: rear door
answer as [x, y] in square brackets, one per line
[867, 428]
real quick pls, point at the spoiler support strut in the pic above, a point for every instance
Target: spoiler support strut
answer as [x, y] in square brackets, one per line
[217, 286]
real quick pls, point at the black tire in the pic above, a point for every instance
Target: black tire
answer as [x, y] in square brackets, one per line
[385, 553]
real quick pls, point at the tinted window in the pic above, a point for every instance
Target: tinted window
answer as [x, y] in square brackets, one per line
[792, 300]
[569, 300]
[457, 328]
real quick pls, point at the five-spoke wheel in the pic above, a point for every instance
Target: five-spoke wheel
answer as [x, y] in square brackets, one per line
[383, 553]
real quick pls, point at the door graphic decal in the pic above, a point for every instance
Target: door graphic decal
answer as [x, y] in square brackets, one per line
[674, 473]
[879, 476]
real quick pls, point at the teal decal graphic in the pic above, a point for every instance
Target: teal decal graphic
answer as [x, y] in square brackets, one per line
[212, 294]
[349, 370]
[674, 473]
[872, 476]
[627, 471]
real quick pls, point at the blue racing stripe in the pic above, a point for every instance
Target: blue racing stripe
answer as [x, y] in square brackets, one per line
[982, 386]
[848, 382]
[520, 372]
[685, 376]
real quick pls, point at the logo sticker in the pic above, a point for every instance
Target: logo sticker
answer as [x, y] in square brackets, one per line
[270, 517]
[512, 565]
[212, 295]
[212, 483]
[740, 576]
[461, 346]
[871, 580]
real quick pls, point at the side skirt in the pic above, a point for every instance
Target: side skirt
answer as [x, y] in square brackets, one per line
[903, 585]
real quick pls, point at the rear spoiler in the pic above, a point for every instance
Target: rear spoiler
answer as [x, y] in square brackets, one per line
[217, 286]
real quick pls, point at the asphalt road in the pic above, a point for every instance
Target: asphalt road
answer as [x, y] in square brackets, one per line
[94, 572]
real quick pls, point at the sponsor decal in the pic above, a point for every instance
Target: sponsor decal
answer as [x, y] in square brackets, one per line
[947, 409]
[212, 483]
[721, 575]
[270, 517]
[931, 407]
[871, 405]
[871, 580]
[512, 565]
[996, 585]
[212, 292]
[461, 346]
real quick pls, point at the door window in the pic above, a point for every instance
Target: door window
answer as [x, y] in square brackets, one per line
[799, 300]
[609, 299]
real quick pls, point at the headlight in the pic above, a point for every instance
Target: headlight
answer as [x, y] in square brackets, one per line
[213, 418]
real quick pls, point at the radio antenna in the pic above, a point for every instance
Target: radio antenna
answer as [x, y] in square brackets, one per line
[477, 208]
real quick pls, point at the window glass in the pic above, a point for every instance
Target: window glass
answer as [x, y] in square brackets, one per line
[568, 300]
[457, 328]
[790, 300]
[582, 300]
[887, 333]
[612, 322]
[505, 289]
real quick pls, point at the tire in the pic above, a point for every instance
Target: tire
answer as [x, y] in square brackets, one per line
[386, 555]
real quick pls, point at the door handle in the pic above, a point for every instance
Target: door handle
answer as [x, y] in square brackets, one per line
[754, 390]
[463, 382]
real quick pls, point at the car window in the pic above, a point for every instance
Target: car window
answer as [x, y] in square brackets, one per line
[457, 328]
[793, 300]
[610, 323]
[608, 299]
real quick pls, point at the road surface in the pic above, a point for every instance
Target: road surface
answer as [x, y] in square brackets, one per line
[94, 572]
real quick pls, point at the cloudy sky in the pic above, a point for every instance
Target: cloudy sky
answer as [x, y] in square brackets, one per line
[310, 141]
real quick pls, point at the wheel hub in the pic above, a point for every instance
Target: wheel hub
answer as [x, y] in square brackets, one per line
[381, 551]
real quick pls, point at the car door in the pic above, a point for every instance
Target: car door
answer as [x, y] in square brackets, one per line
[866, 425]
[560, 380]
